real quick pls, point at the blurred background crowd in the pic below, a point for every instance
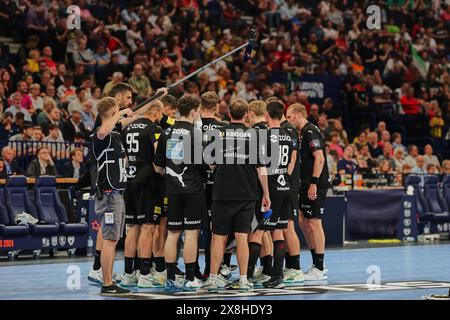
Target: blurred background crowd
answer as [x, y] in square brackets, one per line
[391, 116]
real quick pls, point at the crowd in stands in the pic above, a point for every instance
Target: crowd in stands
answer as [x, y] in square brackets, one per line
[50, 88]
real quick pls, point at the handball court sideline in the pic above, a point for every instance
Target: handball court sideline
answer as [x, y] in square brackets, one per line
[405, 272]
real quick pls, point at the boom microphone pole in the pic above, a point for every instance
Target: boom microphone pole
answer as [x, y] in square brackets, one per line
[248, 45]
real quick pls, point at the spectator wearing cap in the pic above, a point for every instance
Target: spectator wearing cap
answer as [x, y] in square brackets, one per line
[430, 158]
[73, 125]
[43, 165]
[74, 168]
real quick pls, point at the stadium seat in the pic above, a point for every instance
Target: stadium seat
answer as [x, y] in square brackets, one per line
[8, 226]
[431, 192]
[446, 190]
[18, 201]
[421, 205]
[50, 208]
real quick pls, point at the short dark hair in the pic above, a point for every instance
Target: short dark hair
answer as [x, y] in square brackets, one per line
[169, 101]
[27, 125]
[120, 87]
[79, 89]
[238, 109]
[52, 126]
[187, 103]
[275, 109]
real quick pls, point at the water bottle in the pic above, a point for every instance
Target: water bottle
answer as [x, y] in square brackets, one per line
[90, 247]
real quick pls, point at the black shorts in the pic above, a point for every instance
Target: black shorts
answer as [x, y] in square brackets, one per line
[312, 209]
[185, 211]
[281, 212]
[141, 205]
[162, 202]
[232, 216]
[294, 205]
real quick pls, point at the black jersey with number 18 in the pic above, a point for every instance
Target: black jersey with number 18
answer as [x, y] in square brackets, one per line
[280, 148]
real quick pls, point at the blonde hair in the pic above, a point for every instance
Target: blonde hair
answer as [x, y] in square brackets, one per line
[258, 107]
[105, 105]
[298, 108]
[155, 106]
[47, 102]
[209, 100]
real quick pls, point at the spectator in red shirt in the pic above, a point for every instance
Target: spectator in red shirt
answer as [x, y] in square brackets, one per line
[411, 105]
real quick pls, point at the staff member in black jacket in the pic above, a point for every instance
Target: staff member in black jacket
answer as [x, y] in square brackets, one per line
[43, 165]
[75, 168]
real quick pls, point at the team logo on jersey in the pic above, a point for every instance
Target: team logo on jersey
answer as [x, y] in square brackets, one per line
[174, 150]
[170, 121]
[179, 176]
[273, 138]
[281, 180]
[157, 135]
[315, 143]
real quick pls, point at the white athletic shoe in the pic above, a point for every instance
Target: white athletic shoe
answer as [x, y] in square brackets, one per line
[129, 280]
[260, 279]
[146, 281]
[293, 276]
[96, 276]
[159, 279]
[258, 271]
[315, 274]
[225, 271]
[325, 269]
[152, 271]
[192, 285]
[245, 285]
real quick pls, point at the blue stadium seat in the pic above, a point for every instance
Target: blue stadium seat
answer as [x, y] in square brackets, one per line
[50, 208]
[431, 192]
[8, 226]
[421, 205]
[446, 190]
[18, 201]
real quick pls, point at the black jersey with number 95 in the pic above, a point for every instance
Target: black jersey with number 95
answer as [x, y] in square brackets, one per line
[140, 137]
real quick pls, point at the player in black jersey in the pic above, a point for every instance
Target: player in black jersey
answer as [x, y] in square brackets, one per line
[280, 150]
[293, 272]
[143, 210]
[179, 156]
[209, 105]
[257, 120]
[159, 237]
[315, 182]
[238, 169]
